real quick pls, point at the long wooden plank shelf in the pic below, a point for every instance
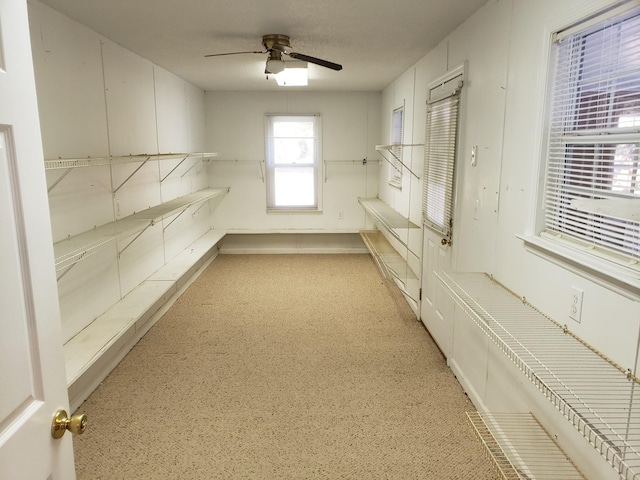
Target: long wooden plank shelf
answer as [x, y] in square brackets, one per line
[599, 398]
[78, 247]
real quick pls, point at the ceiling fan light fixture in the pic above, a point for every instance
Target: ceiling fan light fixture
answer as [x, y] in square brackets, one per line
[295, 74]
[275, 64]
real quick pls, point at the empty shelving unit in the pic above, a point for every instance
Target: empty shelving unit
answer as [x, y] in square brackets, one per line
[393, 261]
[112, 329]
[596, 396]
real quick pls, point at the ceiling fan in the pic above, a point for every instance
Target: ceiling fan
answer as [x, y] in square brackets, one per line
[275, 46]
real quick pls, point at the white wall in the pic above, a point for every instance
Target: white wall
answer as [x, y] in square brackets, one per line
[98, 99]
[505, 47]
[235, 129]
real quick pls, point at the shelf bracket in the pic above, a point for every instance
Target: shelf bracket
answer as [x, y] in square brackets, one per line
[401, 163]
[68, 269]
[197, 209]
[60, 178]
[129, 177]
[135, 238]
[204, 160]
[174, 219]
[175, 168]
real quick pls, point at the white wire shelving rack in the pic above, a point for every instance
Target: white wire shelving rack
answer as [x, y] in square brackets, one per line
[520, 448]
[70, 251]
[598, 397]
[390, 262]
[68, 164]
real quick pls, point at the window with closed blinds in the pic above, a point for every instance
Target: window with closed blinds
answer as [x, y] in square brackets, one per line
[440, 152]
[592, 194]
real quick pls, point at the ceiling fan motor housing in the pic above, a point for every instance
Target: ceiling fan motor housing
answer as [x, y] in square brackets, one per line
[276, 42]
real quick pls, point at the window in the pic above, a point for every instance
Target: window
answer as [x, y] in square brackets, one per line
[397, 127]
[440, 154]
[293, 162]
[592, 190]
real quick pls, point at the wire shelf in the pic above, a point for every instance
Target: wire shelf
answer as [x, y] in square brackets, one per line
[386, 215]
[520, 448]
[57, 163]
[78, 247]
[598, 397]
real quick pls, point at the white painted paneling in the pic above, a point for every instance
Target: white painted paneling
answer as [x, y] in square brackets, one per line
[91, 92]
[130, 101]
[141, 259]
[70, 86]
[235, 128]
[481, 125]
[195, 118]
[140, 191]
[171, 111]
[88, 290]
[186, 229]
[81, 201]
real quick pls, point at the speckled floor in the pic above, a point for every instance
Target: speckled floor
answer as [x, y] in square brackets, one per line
[283, 366]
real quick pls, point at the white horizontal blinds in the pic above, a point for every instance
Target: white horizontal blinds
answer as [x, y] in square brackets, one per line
[593, 173]
[397, 136]
[440, 151]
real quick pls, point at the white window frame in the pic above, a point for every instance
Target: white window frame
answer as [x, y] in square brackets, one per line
[271, 165]
[441, 146]
[397, 139]
[614, 269]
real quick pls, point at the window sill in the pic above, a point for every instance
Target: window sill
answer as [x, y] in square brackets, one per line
[622, 279]
[292, 211]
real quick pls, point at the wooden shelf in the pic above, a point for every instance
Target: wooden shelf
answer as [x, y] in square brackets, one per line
[78, 247]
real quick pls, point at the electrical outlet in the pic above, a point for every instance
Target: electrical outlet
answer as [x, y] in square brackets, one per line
[575, 308]
[340, 215]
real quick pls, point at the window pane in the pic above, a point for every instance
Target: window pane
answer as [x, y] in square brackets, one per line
[293, 150]
[294, 187]
[592, 191]
[293, 128]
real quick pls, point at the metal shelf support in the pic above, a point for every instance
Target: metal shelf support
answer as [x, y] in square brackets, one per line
[130, 176]
[389, 148]
[174, 169]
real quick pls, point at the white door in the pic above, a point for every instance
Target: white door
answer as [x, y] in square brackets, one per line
[32, 377]
[437, 307]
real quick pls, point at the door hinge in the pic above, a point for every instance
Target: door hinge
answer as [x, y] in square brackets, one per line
[420, 294]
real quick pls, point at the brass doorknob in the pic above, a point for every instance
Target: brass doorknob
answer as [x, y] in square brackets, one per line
[77, 424]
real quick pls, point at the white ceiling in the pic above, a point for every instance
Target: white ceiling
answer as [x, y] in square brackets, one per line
[374, 40]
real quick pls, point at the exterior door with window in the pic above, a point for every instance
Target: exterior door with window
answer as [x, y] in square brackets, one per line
[31, 360]
[441, 140]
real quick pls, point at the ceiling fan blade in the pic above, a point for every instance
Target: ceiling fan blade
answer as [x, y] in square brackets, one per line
[317, 61]
[231, 53]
